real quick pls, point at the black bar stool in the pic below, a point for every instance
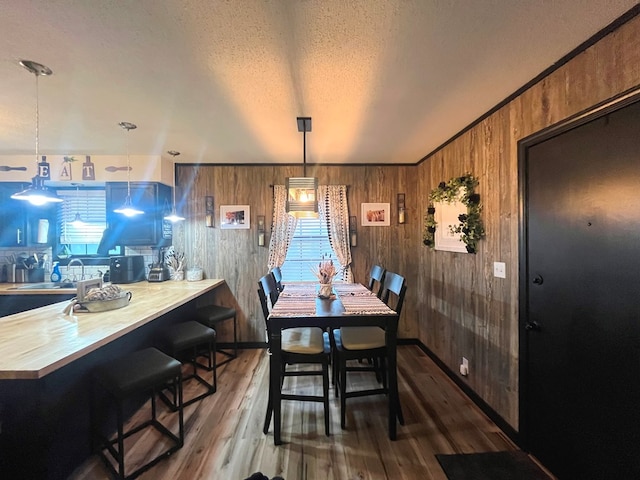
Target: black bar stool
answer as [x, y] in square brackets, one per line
[186, 341]
[211, 315]
[144, 372]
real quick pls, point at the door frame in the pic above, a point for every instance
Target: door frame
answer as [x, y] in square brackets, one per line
[599, 110]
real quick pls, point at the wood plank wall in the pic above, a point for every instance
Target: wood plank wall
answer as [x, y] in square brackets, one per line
[235, 255]
[454, 304]
[463, 309]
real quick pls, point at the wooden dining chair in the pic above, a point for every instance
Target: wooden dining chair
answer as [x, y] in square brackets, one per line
[355, 343]
[270, 287]
[376, 279]
[301, 345]
[277, 275]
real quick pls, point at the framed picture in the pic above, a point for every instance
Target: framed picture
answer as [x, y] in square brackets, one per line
[375, 215]
[234, 216]
[446, 216]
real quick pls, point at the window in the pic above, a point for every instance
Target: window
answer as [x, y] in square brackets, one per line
[82, 238]
[310, 241]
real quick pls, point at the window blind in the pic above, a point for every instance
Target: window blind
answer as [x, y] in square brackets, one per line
[310, 241]
[91, 205]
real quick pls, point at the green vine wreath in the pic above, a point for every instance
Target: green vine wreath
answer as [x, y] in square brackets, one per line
[470, 225]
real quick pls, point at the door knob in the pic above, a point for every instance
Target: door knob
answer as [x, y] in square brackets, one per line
[538, 280]
[532, 326]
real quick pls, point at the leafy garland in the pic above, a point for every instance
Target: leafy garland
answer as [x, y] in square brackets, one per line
[470, 225]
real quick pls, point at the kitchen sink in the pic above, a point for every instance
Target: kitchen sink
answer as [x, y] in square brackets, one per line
[46, 286]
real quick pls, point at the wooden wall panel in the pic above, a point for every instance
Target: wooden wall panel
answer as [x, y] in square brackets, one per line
[463, 309]
[235, 256]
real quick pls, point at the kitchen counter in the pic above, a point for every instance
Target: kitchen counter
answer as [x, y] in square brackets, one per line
[12, 289]
[36, 342]
[47, 361]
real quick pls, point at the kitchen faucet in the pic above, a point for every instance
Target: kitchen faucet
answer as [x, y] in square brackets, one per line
[74, 261]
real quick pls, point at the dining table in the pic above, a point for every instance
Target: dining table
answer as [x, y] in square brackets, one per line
[349, 305]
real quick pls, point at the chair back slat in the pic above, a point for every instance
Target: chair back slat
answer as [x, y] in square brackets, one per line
[376, 276]
[268, 283]
[277, 275]
[394, 284]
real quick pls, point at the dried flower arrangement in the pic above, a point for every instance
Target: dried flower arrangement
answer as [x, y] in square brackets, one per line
[326, 270]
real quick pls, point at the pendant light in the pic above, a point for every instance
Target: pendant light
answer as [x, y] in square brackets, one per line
[174, 217]
[37, 193]
[127, 209]
[77, 221]
[302, 191]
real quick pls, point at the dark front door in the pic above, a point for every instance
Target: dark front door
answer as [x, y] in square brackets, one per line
[581, 295]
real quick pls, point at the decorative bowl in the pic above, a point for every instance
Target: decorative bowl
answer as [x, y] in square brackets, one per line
[105, 305]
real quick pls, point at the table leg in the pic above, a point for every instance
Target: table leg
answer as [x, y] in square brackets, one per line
[393, 378]
[274, 379]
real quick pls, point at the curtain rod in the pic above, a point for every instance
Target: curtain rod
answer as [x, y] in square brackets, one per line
[271, 186]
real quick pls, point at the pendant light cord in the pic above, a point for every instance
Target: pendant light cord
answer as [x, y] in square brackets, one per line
[37, 125]
[304, 155]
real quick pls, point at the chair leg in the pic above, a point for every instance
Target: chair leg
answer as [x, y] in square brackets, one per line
[400, 416]
[343, 388]
[325, 390]
[267, 417]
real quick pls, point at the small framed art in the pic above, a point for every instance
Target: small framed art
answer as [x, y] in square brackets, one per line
[375, 215]
[234, 216]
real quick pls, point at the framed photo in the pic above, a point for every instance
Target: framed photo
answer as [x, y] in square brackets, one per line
[447, 217]
[234, 216]
[85, 285]
[375, 215]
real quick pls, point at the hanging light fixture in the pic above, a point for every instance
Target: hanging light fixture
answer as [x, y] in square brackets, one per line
[37, 193]
[77, 221]
[174, 217]
[302, 191]
[127, 208]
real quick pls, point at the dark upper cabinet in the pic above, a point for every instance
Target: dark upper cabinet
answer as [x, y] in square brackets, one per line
[148, 228]
[19, 220]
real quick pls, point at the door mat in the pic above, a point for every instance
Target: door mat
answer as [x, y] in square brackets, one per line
[510, 465]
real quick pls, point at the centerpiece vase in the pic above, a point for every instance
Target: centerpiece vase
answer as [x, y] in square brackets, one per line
[325, 290]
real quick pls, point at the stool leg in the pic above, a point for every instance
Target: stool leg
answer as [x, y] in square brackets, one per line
[120, 420]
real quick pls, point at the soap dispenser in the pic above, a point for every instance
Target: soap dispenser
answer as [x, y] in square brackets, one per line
[56, 276]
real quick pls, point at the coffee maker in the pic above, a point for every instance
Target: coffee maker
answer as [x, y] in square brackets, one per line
[158, 271]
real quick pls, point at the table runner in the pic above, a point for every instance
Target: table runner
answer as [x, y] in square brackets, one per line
[300, 299]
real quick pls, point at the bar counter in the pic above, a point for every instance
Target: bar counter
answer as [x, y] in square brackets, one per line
[46, 364]
[36, 342]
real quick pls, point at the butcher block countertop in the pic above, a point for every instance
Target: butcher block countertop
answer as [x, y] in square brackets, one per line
[37, 342]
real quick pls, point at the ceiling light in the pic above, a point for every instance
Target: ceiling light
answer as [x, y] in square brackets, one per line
[37, 193]
[174, 217]
[302, 191]
[127, 209]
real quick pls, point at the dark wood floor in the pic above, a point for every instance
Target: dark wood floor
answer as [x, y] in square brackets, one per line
[224, 438]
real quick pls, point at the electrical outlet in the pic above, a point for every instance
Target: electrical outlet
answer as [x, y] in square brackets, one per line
[499, 270]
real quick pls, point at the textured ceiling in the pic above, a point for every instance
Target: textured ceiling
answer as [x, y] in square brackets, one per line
[385, 81]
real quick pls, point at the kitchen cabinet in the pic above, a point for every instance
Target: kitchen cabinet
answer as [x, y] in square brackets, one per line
[19, 220]
[146, 229]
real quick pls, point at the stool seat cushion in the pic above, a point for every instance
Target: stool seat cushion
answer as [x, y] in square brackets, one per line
[214, 313]
[188, 334]
[137, 372]
[362, 338]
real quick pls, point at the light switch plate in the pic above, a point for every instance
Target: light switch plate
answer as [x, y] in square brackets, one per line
[499, 270]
